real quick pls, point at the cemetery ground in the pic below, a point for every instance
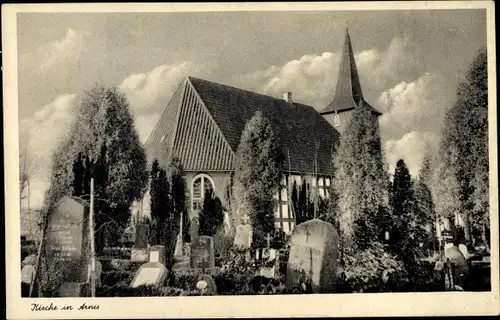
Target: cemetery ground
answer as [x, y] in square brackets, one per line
[307, 262]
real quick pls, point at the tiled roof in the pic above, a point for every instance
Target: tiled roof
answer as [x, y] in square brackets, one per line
[303, 134]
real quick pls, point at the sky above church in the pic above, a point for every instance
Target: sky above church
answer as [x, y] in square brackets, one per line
[409, 64]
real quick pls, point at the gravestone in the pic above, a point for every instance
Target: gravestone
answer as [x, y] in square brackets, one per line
[157, 254]
[463, 248]
[140, 250]
[244, 234]
[150, 273]
[178, 252]
[194, 229]
[313, 254]
[68, 245]
[202, 253]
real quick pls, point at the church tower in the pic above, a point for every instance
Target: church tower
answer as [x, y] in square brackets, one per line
[348, 94]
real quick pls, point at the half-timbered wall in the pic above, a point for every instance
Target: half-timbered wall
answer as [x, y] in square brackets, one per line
[284, 215]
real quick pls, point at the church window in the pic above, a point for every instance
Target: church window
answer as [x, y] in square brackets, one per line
[201, 184]
[321, 188]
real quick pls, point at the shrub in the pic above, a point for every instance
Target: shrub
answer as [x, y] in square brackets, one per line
[371, 270]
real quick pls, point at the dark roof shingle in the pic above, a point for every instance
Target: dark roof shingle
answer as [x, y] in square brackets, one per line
[300, 130]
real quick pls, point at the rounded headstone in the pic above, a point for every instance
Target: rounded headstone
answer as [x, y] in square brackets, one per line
[313, 254]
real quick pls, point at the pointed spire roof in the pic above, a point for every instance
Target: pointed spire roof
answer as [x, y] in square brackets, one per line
[348, 93]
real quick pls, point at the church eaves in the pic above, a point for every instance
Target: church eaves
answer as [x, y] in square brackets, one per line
[348, 93]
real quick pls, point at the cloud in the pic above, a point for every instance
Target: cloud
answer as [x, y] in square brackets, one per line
[40, 134]
[62, 50]
[149, 92]
[411, 148]
[414, 106]
[312, 78]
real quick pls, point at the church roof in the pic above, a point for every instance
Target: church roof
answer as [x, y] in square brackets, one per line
[305, 137]
[348, 93]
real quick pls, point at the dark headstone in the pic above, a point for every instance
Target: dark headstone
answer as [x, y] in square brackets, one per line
[202, 253]
[68, 246]
[150, 273]
[194, 229]
[313, 256]
[141, 236]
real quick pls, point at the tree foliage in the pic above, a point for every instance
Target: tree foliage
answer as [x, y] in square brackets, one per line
[425, 210]
[257, 175]
[104, 139]
[359, 185]
[211, 215]
[407, 232]
[168, 205]
[464, 150]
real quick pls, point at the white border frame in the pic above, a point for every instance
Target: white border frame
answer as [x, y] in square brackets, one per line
[382, 304]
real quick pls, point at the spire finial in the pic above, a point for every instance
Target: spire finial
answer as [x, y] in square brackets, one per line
[346, 25]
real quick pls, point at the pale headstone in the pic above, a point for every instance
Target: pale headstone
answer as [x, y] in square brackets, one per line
[150, 273]
[244, 235]
[178, 246]
[463, 248]
[157, 254]
[227, 223]
[313, 252]
[202, 253]
[68, 245]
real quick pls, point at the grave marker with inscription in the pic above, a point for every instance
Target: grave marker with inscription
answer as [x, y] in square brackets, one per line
[68, 244]
[202, 253]
[313, 253]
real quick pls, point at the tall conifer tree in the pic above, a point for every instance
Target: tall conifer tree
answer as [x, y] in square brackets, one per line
[359, 185]
[257, 175]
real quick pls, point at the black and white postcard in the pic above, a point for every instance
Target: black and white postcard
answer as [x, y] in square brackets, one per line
[250, 159]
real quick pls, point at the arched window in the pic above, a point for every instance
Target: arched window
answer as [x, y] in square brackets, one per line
[201, 183]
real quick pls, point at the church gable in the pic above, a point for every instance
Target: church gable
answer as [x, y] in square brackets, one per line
[186, 130]
[158, 146]
[198, 141]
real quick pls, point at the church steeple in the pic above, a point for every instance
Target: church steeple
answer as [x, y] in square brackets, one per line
[348, 93]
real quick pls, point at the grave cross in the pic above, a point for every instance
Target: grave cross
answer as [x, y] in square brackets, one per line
[308, 233]
[268, 240]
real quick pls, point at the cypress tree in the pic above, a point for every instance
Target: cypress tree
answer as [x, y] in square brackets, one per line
[359, 185]
[257, 175]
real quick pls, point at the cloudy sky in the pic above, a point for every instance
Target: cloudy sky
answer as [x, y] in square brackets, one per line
[409, 62]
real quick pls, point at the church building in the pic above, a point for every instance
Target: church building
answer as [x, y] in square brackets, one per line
[203, 122]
